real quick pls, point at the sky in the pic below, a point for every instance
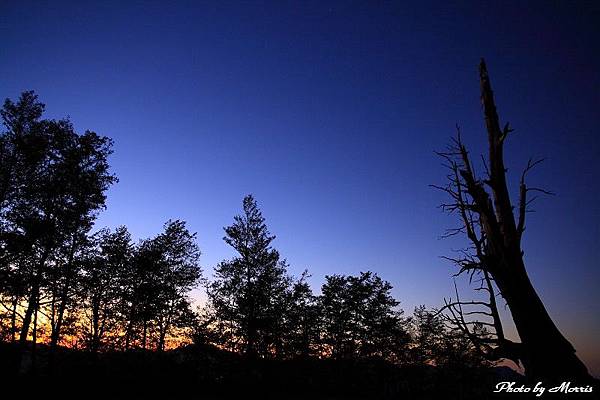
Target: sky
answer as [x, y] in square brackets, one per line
[329, 113]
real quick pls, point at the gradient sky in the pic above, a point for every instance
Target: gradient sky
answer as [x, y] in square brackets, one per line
[329, 113]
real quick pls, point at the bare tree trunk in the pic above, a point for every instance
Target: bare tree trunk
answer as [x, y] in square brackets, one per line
[64, 298]
[34, 340]
[145, 332]
[164, 327]
[251, 333]
[95, 345]
[13, 320]
[33, 296]
[548, 354]
[161, 339]
[31, 307]
[130, 325]
[57, 327]
[127, 336]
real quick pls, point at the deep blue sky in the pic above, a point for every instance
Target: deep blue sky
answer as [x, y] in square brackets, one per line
[329, 113]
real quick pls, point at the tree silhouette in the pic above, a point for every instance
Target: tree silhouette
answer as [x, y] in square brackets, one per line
[180, 273]
[248, 295]
[360, 317]
[61, 285]
[53, 184]
[435, 342]
[480, 322]
[428, 335]
[164, 269]
[302, 321]
[486, 213]
[104, 274]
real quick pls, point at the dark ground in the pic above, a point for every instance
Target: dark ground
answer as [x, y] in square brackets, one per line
[206, 372]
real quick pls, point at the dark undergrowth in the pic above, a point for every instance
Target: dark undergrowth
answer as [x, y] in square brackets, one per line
[205, 372]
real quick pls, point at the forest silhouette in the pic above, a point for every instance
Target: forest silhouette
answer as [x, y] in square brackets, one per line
[80, 305]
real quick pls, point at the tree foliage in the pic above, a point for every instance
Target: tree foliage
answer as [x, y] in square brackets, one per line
[249, 293]
[360, 317]
[53, 185]
[63, 284]
[60, 282]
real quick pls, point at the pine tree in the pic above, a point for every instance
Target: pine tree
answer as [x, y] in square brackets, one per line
[248, 294]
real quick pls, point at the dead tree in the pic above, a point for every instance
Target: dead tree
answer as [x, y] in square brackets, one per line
[488, 221]
[480, 322]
